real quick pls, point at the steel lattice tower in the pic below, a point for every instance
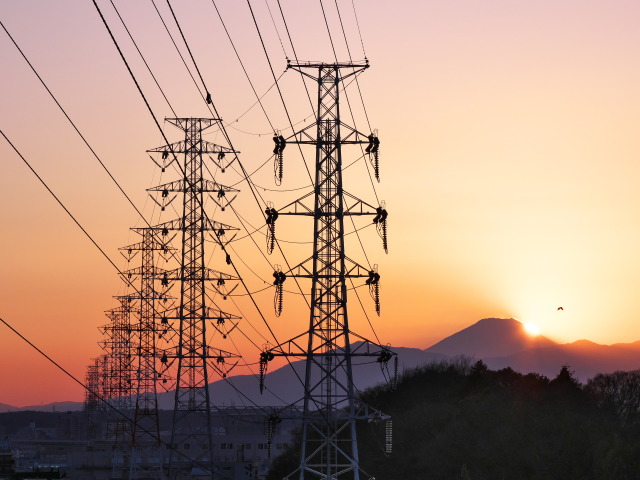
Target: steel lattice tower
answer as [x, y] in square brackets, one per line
[118, 378]
[146, 451]
[330, 410]
[93, 405]
[196, 359]
[118, 374]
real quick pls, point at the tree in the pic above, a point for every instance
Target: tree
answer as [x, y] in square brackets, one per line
[619, 392]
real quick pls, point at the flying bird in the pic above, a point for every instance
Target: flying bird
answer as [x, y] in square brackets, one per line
[560, 308]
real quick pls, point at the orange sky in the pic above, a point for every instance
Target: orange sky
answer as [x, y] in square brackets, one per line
[509, 163]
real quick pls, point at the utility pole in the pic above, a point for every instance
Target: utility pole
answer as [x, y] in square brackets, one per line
[329, 447]
[195, 318]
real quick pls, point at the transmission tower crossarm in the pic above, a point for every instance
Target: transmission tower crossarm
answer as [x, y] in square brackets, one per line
[306, 136]
[152, 271]
[205, 274]
[204, 185]
[352, 269]
[204, 147]
[140, 246]
[300, 66]
[179, 225]
[298, 207]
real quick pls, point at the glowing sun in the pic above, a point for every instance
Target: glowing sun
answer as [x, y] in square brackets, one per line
[532, 329]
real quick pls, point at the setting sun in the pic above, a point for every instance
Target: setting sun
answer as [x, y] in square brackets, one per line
[532, 329]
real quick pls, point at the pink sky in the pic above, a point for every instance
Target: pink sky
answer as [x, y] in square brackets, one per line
[509, 163]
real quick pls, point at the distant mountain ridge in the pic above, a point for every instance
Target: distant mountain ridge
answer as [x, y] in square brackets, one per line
[504, 343]
[490, 337]
[499, 342]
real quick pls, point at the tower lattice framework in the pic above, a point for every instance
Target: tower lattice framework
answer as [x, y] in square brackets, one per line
[195, 318]
[329, 447]
[118, 383]
[146, 458]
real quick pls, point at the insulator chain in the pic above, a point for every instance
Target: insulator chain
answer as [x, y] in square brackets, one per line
[374, 288]
[220, 162]
[381, 225]
[272, 216]
[394, 379]
[384, 357]
[279, 278]
[166, 161]
[278, 165]
[270, 428]
[278, 300]
[373, 149]
[265, 358]
[269, 432]
[165, 201]
[263, 370]
[388, 443]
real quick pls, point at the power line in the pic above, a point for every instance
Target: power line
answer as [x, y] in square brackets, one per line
[351, 59]
[264, 48]
[60, 203]
[208, 99]
[177, 49]
[96, 394]
[275, 28]
[357, 84]
[295, 55]
[355, 14]
[230, 145]
[324, 14]
[243, 67]
[74, 126]
[143, 59]
[167, 142]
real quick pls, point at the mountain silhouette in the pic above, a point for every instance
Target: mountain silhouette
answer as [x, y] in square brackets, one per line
[490, 337]
[499, 342]
[503, 342]
[283, 386]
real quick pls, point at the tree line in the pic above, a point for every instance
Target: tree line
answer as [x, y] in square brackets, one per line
[461, 420]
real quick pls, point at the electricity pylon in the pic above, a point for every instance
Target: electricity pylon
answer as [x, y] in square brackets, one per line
[118, 378]
[146, 447]
[193, 357]
[93, 405]
[329, 447]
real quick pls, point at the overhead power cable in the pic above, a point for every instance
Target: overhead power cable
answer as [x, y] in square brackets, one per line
[189, 50]
[345, 92]
[275, 28]
[168, 143]
[159, 128]
[243, 67]
[143, 59]
[100, 397]
[230, 145]
[295, 55]
[184, 62]
[264, 48]
[75, 220]
[74, 126]
[333, 47]
[355, 14]
[250, 183]
[346, 42]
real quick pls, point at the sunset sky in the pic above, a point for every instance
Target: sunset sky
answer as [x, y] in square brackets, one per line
[509, 163]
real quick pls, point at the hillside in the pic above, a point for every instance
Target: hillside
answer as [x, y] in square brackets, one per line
[499, 342]
[455, 422]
